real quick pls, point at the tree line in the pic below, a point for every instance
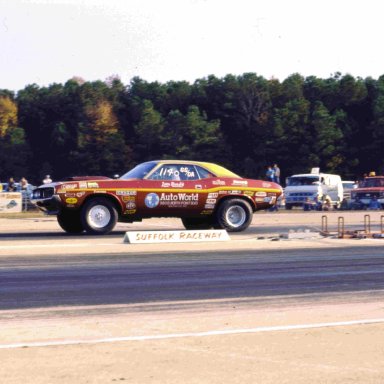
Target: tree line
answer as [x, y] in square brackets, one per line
[243, 122]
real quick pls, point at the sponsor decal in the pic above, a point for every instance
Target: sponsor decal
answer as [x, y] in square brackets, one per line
[211, 201]
[270, 199]
[266, 185]
[179, 199]
[80, 194]
[261, 194]
[152, 200]
[93, 184]
[126, 193]
[218, 182]
[71, 200]
[172, 184]
[223, 192]
[82, 184]
[176, 200]
[128, 198]
[248, 193]
[259, 199]
[69, 186]
[130, 205]
[198, 186]
[207, 211]
[213, 195]
[234, 192]
[239, 182]
[70, 195]
[130, 212]
[209, 206]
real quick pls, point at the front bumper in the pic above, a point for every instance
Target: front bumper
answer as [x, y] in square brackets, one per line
[51, 205]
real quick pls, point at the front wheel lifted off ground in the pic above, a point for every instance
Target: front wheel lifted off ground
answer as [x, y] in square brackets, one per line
[234, 215]
[99, 216]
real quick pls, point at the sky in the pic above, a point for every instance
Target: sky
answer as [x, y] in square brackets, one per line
[51, 41]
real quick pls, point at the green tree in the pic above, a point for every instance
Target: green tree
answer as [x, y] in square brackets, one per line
[191, 136]
[149, 132]
[327, 137]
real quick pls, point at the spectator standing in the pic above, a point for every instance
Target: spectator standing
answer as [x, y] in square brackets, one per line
[276, 171]
[270, 174]
[24, 184]
[47, 179]
[11, 185]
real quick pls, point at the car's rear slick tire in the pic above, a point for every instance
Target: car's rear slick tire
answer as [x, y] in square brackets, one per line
[99, 216]
[234, 215]
[197, 223]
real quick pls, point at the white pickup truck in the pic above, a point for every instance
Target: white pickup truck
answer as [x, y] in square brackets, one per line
[312, 185]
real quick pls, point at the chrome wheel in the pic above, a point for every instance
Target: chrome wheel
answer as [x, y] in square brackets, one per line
[99, 216]
[233, 215]
[236, 216]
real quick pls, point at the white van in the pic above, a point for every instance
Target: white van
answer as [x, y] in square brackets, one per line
[311, 185]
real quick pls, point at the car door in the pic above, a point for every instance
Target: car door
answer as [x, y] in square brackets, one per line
[171, 190]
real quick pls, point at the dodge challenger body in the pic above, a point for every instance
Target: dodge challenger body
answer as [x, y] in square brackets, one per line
[203, 195]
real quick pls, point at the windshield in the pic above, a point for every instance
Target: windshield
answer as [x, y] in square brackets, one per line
[140, 171]
[371, 183]
[302, 180]
[349, 185]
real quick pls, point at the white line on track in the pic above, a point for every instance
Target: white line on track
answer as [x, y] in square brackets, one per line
[194, 334]
[63, 245]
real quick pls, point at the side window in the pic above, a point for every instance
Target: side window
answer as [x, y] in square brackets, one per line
[177, 172]
[188, 172]
[203, 173]
[166, 172]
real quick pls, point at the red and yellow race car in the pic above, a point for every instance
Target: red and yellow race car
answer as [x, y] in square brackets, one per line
[203, 195]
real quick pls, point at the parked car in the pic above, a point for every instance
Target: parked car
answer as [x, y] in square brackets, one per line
[203, 195]
[348, 187]
[368, 189]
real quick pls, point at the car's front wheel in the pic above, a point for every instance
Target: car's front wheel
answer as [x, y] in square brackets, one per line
[99, 216]
[234, 215]
[197, 222]
[70, 221]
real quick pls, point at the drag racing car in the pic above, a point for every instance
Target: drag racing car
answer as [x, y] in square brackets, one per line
[203, 195]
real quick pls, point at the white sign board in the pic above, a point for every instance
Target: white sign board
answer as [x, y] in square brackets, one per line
[146, 237]
[10, 202]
